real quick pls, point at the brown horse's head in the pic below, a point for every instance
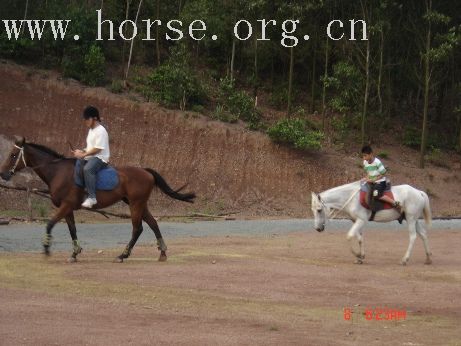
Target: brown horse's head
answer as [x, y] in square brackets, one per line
[15, 160]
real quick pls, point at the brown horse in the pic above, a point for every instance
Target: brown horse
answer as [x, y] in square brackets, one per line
[134, 188]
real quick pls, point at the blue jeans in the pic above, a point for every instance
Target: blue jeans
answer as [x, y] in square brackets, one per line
[90, 172]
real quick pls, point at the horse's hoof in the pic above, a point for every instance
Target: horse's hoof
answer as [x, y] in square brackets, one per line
[46, 251]
[403, 262]
[71, 260]
[162, 258]
[428, 261]
[358, 261]
[118, 260]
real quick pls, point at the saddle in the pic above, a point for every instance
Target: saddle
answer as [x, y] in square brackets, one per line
[369, 202]
[106, 179]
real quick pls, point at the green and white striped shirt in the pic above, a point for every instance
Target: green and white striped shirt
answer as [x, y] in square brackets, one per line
[374, 169]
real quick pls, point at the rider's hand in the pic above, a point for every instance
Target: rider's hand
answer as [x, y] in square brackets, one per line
[79, 154]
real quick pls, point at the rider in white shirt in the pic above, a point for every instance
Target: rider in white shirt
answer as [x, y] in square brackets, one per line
[96, 154]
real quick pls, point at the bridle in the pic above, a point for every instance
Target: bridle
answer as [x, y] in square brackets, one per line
[335, 212]
[18, 159]
[22, 156]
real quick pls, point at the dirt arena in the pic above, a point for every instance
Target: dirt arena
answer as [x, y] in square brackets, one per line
[237, 290]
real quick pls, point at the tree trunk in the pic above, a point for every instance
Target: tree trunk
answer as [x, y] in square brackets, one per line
[365, 97]
[124, 41]
[25, 13]
[380, 72]
[314, 63]
[367, 76]
[427, 81]
[255, 81]
[232, 60]
[324, 87]
[132, 43]
[459, 137]
[290, 81]
[157, 34]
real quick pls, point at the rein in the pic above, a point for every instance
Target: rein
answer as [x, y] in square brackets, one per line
[335, 212]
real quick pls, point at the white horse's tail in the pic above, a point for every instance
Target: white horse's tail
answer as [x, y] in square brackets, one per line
[427, 210]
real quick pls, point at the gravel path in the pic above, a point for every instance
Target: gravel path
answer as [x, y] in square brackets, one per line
[27, 237]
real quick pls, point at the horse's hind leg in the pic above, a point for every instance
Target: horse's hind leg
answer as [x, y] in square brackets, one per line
[422, 233]
[73, 234]
[137, 211]
[150, 220]
[412, 233]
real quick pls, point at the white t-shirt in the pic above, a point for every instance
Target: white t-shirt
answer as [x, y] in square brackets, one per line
[98, 138]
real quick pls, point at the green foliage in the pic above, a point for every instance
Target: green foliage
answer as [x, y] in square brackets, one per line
[174, 84]
[383, 155]
[116, 86]
[238, 103]
[279, 98]
[198, 108]
[347, 85]
[221, 114]
[436, 157]
[412, 137]
[94, 66]
[340, 125]
[296, 132]
[397, 29]
[435, 141]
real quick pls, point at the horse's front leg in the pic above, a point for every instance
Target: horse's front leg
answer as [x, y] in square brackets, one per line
[412, 233]
[73, 234]
[63, 210]
[356, 231]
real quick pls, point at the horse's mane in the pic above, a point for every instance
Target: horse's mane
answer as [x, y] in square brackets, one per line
[47, 150]
[353, 185]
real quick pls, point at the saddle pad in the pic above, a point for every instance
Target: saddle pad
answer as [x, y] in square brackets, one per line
[364, 198]
[107, 178]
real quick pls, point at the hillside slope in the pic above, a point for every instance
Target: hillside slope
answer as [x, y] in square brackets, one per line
[230, 168]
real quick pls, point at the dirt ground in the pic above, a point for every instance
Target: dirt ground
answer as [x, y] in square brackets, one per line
[266, 290]
[231, 169]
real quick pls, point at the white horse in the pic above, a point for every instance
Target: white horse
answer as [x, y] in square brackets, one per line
[415, 203]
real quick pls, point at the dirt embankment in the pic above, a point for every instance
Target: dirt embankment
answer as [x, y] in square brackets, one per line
[230, 168]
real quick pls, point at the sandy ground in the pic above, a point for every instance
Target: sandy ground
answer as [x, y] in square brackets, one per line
[236, 290]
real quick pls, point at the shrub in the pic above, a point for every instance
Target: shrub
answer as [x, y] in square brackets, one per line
[174, 83]
[94, 66]
[412, 139]
[383, 155]
[346, 82]
[221, 114]
[238, 103]
[116, 87]
[279, 97]
[198, 108]
[296, 132]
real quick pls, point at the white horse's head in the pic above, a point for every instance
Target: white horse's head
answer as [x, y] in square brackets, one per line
[319, 211]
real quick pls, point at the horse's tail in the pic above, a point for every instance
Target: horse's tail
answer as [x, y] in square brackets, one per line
[427, 210]
[162, 184]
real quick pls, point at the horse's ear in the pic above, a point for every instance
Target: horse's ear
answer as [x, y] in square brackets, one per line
[19, 141]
